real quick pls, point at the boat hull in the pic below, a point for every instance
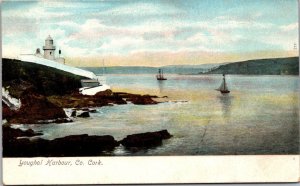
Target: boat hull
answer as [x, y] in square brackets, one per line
[161, 79]
[224, 91]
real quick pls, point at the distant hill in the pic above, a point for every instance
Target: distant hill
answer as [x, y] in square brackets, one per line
[183, 69]
[276, 66]
[122, 70]
[172, 69]
[202, 66]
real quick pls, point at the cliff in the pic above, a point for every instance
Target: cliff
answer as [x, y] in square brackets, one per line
[17, 76]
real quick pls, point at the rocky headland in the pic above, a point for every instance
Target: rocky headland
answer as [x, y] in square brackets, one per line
[44, 93]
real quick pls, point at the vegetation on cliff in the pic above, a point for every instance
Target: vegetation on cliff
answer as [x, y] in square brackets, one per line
[18, 76]
[276, 66]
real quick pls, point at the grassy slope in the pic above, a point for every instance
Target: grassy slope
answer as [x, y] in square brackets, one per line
[48, 81]
[276, 66]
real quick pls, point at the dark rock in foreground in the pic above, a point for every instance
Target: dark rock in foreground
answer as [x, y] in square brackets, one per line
[73, 114]
[84, 115]
[148, 139]
[10, 133]
[82, 112]
[75, 145]
[81, 145]
[15, 143]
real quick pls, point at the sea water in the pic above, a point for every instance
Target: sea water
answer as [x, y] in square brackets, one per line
[259, 116]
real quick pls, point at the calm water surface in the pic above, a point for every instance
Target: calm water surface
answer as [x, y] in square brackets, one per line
[259, 116]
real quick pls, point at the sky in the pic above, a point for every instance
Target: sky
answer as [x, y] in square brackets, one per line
[152, 33]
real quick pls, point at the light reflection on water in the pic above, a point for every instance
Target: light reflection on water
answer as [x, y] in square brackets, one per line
[161, 85]
[259, 116]
[225, 100]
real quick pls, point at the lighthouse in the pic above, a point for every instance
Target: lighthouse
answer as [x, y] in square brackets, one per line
[49, 49]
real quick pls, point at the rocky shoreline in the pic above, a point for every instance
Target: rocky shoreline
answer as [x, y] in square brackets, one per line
[17, 144]
[44, 94]
[40, 109]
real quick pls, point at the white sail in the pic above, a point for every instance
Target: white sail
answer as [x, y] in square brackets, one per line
[223, 86]
[160, 74]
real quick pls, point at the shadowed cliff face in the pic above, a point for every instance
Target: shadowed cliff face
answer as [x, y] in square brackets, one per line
[18, 76]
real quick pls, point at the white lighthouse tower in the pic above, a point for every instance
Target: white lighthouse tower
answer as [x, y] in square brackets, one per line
[49, 49]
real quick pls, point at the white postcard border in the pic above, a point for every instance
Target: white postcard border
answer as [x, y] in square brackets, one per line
[153, 169]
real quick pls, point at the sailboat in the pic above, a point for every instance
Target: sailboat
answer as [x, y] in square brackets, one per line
[223, 87]
[160, 75]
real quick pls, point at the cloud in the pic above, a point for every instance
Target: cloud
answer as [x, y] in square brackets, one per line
[67, 23]
[29, 19]
[135, 9]
[140, 9]
[11, 51]
[290, 27]
[162, 34]
[199, 38]
[281, 40]
[38, 12]
[126, 28]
